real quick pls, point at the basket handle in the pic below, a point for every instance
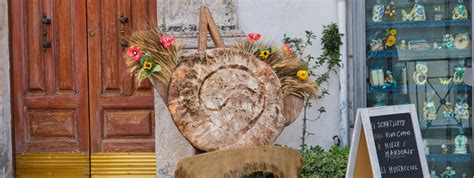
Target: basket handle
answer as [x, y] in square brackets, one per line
[207, 24]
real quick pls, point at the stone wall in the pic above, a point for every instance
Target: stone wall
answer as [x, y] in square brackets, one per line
[6, 166]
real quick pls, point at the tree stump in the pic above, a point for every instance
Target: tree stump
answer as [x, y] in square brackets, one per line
[225, 97]
[280, 161]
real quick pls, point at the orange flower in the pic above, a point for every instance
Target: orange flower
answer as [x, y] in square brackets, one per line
[391, 40]
[302, 74]
[252, 37]
[287, 49]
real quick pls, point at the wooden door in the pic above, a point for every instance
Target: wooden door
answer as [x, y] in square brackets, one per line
[50, 96]
[122, 118]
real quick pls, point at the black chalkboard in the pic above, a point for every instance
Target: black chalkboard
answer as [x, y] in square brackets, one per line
[396, 146]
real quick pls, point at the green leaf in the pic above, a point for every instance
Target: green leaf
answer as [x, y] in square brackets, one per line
[142, 60]
[144, 73]
[262, 48]
[157, 68]
[273, 49]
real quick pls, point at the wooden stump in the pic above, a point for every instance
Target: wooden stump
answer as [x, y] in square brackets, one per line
[280, 161]
[225, 97]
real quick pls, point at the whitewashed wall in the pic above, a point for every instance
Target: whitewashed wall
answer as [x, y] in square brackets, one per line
[273, 18]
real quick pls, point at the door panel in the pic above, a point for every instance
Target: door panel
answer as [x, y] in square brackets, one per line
[122, 118]
[50, 104]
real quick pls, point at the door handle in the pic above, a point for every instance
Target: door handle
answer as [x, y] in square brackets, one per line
[123, 19]
[45, 21]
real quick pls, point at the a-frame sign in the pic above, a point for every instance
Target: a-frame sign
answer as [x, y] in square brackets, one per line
[386, 143]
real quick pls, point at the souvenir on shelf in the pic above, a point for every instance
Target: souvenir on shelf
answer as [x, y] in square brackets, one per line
[426, 147]
[417, 13]
[460, 143]
[377, 76]
[458, 76]
[449, 172]
[448, 41]
[390, 82]
[403, 81]
[420, 76]
[461, 110]
[445, 81]
[378, 12]
[460, 11]
[448, 111]
[380, 98]
[403, 45]
[391, 38]
[376, 45]
[418, 45]
[437, 14]
[461, 41]
[429, 108]
[390, 12]
[444, 149]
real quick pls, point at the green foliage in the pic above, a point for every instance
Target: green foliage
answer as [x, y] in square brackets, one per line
[320, 163]
[324, 64]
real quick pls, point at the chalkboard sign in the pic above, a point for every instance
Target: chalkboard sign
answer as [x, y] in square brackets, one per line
[389, 138]
[396, 145]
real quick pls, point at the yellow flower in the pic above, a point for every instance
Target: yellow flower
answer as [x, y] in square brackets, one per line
[147, 65]
[302, 74]
[390, 41]
[392, 32]
[264, 54]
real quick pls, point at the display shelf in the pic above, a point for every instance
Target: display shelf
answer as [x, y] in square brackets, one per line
[439, 88]
[417, 55]
[420, 24]
[426, 4]
[442, 122]
[452, 158]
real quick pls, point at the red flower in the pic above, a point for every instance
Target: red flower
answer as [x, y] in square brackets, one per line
[287, 49]
[135, 53]
[253, 37]
[167, 40]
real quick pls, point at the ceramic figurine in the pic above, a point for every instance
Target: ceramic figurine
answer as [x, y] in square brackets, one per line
[436, 45]
[437, 14]
[460, 143]
[426, 147]
[444, 149]
[377, 76]
[461, 41]
[417, 13]
[420, 76]
[449, 172]
[377, 12]
[445, 81]
[390, 12]
[461, 110]
[376, 45]
[390, 82]
[448, 112]
[404, 81]
[460, 11]
[458, 76]
[448, 41]
[380, 98]
[429, 110]
[464, 175]
[433, 166]
[403, 45]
